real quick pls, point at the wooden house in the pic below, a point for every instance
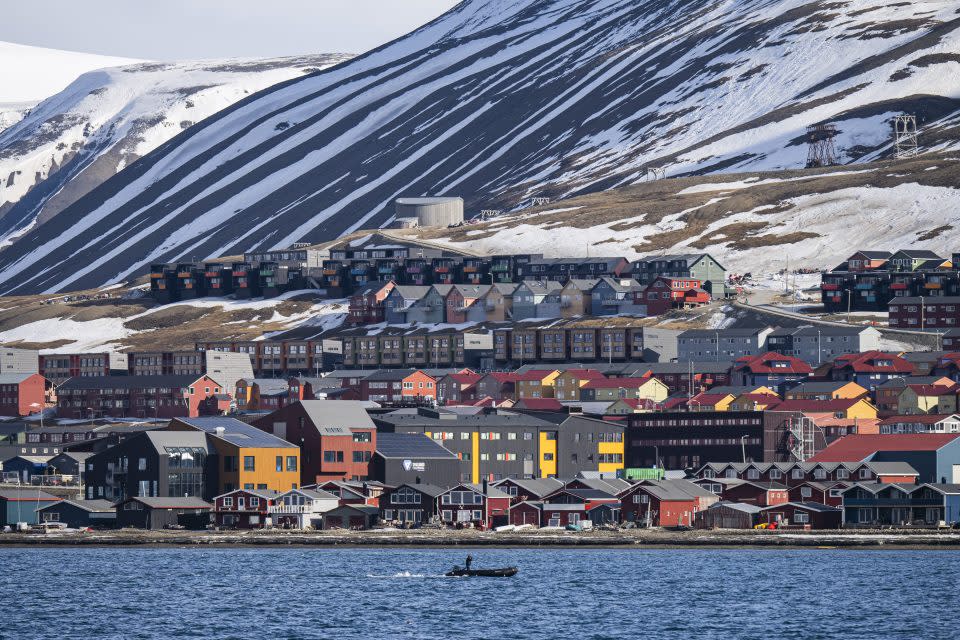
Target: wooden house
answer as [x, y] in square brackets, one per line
[163, 512]
[302, 508]
[807, 514]
[351, 516]
[479, 506]
[411, 504]
[243, 508]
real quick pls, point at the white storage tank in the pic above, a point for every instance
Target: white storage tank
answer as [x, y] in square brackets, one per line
[431, 212]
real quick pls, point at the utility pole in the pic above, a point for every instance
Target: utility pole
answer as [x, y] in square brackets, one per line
[819, 349]
[849, 292]
[923, 316]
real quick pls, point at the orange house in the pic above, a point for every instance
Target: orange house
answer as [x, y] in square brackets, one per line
[419, 385]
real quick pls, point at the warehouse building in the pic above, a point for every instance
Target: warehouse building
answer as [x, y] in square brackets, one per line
[431, 212]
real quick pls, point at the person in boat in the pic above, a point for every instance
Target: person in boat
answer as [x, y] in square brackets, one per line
[469, 561]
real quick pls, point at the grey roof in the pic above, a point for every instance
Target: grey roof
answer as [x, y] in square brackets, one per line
[268, 494]
[338, 417]
[366, 509]
[236, 432]
[79, 456]
[541, 286]
[536, 487]
[664, 491]
[874, 255]
[739, 506]
[588, 494]
[708, 366]
[919, 254]
[506, 288]
[614, 284]
[389, 374]
[429, 489]
[410, 291]
[690, 488]
[93, 506]
[503, 419]
[314, 493]
[14, 378]
[472, 290]
[410, 445]
[724, 333]
[173, 503]
[269, 386]
[809, 506]
[130, 382]
[904, 381]
[821, 330]
[26, 494]
[612, 486]
[892, 468]
[161, 439]
[492, 491]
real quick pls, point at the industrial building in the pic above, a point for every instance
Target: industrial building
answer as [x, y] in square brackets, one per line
[431, 212]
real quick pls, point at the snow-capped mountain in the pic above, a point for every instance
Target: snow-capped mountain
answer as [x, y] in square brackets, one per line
[30, 74]
[499, 100]
[106, 119]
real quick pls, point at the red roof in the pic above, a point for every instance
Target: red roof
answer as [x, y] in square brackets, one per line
[674, 402]
[860, 447]
[705, 397]
[485, 401]
[501, 376]
[818, 406]
[644, 403]
[616, 383]
[543, 404]
[760, 398]
[932, 389]
[866, 362]
[466, 378]
[764, 364]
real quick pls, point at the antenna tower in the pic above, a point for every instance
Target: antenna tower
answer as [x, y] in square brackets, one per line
[821, 151]
[905, 136]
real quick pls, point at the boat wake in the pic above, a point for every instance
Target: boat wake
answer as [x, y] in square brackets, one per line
[403, 575]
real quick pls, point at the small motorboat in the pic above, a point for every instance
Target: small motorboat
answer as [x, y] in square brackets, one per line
[461, 572]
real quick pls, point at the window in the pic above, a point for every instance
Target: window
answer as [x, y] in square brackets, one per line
[291, 463]
[801, 518]
[228, 502]
[279, 463]
[775, 474]
[806, 492]
[333, 456]
[797, 474]
[142, 464]
[753, 474]
[249, 463]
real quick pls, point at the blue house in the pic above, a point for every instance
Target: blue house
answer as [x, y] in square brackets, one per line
[889, 504]
[770, 370]
[20, 505]
[610, 294]
[400, 299]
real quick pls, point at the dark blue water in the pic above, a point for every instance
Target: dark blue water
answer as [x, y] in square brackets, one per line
[391, 593]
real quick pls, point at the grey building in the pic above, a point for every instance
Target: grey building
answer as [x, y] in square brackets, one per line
[19, 360]
[656, 344]
[610, 295]
[431, 212]
[531, 294]
[431, 308]
[227, 368]
[160, 513]
[702, 344]
[822, 343]
[400, 299]
[411, 458]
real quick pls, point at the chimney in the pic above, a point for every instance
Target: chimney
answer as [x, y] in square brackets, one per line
[485, 485]
[220, 431]
[417, 480]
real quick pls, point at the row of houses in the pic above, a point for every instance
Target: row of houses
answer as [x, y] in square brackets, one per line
[343, 268]
[386, 301]
[919, 289]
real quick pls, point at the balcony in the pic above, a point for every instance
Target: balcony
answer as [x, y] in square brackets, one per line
[899, 286]
[359, 271]
[291, 508]
[932, 285]
[469, 269]
[329, 272]
[500, 267]
[413, 269]
[866, 286]
[186, 274]
[829, 287]
[441, 270]
[155, 276]
[238, 274]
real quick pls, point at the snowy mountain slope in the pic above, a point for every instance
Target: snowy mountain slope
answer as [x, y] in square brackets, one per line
[756, 222]
[31, 74]
[499, 100]
[106, 119]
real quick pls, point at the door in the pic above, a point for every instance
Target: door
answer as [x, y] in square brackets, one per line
[956, 474]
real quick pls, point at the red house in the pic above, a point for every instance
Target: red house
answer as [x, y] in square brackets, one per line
[336, 438]
[665, 293]
[660, 505]
[769, 369]
[22, 394]
[242, 508]
[541, 514]
[829, 493]
[804, 514]
[367, 303]
[479, 506]
[141, 397]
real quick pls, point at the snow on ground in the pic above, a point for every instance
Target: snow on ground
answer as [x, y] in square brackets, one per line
[110, 333]
[895, 217]
[31, 74]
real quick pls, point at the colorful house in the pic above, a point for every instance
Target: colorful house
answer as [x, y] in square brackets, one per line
[666, 293]
[367, 304]
[567, 386]
[536, 383]
[770, 369]
[643, 388]
[928, 398]
[870, 369]
[826, 390]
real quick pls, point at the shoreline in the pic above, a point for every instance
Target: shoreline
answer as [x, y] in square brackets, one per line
[440, 539]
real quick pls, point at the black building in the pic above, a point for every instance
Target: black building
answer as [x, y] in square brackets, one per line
[163, 512]
[99, 514]
[410, 458]
[688, 440]
[154, 464]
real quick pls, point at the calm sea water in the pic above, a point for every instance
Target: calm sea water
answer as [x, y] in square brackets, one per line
[399, 593]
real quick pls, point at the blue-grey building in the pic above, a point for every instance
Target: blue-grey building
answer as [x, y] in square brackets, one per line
[20, 505]
[610, 294]
[891, 504]
[400, 299]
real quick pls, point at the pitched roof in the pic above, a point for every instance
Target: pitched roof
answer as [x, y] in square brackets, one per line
[92, 506]
[14, 378]
[534, 375]
[819, 406]
[236, 432]
[933, 389]
[337, 417]
[854, 448]
[429, 489]
[536, 487]
[410, 445]
[820, 386]
[892, 468]
[130, 382]
[584, 374]
[20, 495]
[922, 418]
[866, 362]
[540, 404]
[617, 383]
[806, 506]
[763, 363]
[172, 503]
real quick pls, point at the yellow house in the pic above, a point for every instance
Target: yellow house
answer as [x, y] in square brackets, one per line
[249, 458]
[645, 388]
[706, 401]
[567, 385]
[843, 408]
[536, 383]
[927, 398]
[826, 390]
[754, 402]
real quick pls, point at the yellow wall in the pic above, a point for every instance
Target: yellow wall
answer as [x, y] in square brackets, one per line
[610, 447]
[475, 456]
[654, 390]
[265, 468]
[863, 409]
[547, 467]
[724, 405]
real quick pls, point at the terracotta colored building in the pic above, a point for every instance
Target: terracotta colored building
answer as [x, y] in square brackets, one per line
[22, 394]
